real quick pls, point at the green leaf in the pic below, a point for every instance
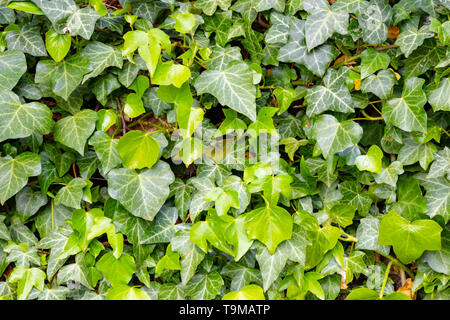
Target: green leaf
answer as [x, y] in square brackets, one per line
[250, 292]
[240, 275]
[184, 22]
[101, 56]
[14, 173]
[334, 95]
[71, 194]
[353, 194]
[26, 279]
[27, 39]
[423, 58]
[58, 45]
[410, 201]
[409, 239]
[441, 166]
[372, 61]
[439, 261]
[12, 66]
[73, 131]
[322, 22]
[437, 197]
[191, 255]
[407, 112]
[63, 77]
[28, 202]
[144, 193]
[22, 120]
[390, 174]
[380, 84]
[138, 150]
[439, 98]
[409, 40]
[82, 22]
[204, 286]
[117, 271]
[25, 6]
[333, 136]
[295, 50]
[106, 150]
[370, 161]
[374, 20]
[411, 152]
[210, 6]
[269, 224]
[233, 87]
[124, 292]
[367, 235]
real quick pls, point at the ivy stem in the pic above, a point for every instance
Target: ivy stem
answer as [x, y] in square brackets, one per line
[124, 125]
[348, 237]
[398, 263]
[386, 276]
[356, 57]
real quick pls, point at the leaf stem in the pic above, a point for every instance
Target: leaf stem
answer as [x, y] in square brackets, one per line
[398, 263]
[386, 276]
[124, 125]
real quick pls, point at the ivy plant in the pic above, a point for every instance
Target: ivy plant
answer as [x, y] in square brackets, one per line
[245, 149]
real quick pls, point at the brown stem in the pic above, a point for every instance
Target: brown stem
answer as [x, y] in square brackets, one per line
[124, 125]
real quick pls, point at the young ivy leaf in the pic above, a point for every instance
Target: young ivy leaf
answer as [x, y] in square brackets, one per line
[249, 292]
[370, 161]
[409, 239]
[138, 150]
[58, 45]
[269, 224]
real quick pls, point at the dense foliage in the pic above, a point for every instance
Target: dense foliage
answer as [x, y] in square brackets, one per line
[209, 149]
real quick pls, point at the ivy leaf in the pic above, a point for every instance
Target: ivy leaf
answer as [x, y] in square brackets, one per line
[28, 202]
[410, 201]
[73, 131]
[210, 6]
[295, 50]
[372, 61]
[439, 261]
[380, 84]
[117, 271]
[82, 22]
[373, 21]
[411, 152]
[270, 265]
[63, 77]
[191, 255]
[12, 66]
[437, 197]
[233, 87]
[124, 292]
[57, 10]
[353, 195]
[333, 136]
[322, 22]
[138, 150]
[163, 227]
[101, 56]
[370, 161]
[22, 120]
[106, 150]
[441, 166]
[27, 39]
[269, 224]
[204, 286]
[407, 112]
[144, 193]
[409, 40]
[71, 194]
[279, 31]
[14, 173]
[250, 292]
[423, 58]
[409, 239]
[334, 95]
[26, 279]
[58, 45]
[367, 235]
[439, 98]
[390, 174]
[240, 275]
[354, 6]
